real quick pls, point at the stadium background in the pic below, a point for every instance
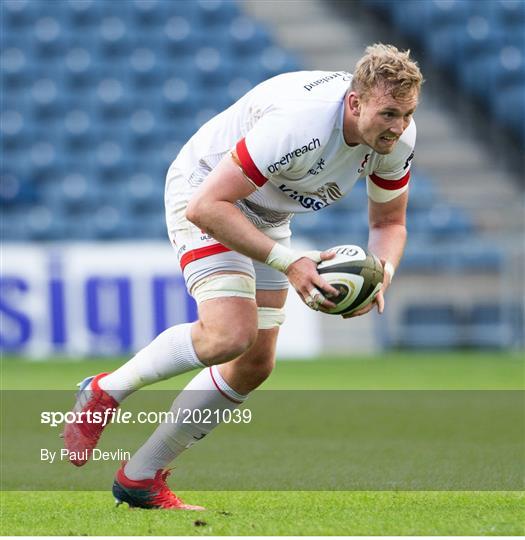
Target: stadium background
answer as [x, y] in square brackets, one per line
[98, 97]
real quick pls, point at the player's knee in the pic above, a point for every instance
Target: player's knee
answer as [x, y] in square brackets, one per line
[225, 343]
[228, 316]
[233, 343]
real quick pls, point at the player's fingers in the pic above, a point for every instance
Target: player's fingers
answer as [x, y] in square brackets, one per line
[380, 301]
[326, 288]
[327, 255]
[359, 312]
[315, 299]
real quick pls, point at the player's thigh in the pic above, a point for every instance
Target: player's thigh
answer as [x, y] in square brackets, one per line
[223, 313]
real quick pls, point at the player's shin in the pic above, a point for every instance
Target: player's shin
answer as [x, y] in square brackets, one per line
[170, 353]
[198, 409]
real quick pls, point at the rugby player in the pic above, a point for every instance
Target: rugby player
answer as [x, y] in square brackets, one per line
[295, 143]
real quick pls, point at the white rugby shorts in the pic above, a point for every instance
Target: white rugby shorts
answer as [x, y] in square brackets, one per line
[199, 254]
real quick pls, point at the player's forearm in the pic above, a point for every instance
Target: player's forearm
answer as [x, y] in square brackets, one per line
[226, 223]
[388, 242]
[387, 236]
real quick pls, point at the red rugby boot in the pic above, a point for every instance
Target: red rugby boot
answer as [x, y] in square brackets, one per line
[152, 493]
[82, 436]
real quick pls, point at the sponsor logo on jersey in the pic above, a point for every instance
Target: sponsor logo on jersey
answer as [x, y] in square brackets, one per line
[409, 159]
[319, 166]
[338, 74]
[363, 163]
[325, 195]
[312, 145]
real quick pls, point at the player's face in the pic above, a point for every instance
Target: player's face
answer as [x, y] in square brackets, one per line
[383, 119]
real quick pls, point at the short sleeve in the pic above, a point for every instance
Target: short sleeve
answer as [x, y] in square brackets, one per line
[391, 176]
[279, 143]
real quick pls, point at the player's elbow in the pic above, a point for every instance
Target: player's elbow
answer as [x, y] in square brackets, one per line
[195, 211]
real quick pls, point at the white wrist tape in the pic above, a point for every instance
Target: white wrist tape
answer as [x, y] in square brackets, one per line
[389, 269]
[281, 257]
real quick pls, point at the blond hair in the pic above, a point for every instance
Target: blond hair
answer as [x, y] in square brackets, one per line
[387, 66]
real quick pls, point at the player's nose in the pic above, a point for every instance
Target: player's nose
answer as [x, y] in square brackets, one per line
[398, 127]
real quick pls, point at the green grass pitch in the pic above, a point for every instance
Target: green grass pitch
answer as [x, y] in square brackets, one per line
[285, 512]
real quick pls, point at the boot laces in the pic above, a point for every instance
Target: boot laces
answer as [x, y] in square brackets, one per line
[165, 497]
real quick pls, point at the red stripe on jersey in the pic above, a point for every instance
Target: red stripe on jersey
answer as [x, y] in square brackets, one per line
[200, 253]
[248, 166]
[390, 184]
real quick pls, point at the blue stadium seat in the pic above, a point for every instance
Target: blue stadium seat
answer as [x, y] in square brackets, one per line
[420, 19]
[43, 155]
[49, 37]
[214, 67]
[441, 222]
[44, 223]
[15, 189]
[15, 121]
[149, 15]
[80, 131]
[444, 57]
[82, 71]
[114, 36]
[153, 226]
[510, 110]
[14, 224]
[15, 68]
[18, 15]
[422, 192]
[111, 221]
[247, 37]
[143, 128]
[148, 68]
[511, 13]
[83, 15]
[274, 61]
[431, 326]
[487, 76]
[182, 37]
[144, 191]
[114, 101]
[489, 326]
[47, 101]
[214, 13]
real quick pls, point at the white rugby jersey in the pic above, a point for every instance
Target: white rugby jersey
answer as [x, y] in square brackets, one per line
[288, 134]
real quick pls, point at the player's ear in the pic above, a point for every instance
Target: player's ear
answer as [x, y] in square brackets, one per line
[354, 104]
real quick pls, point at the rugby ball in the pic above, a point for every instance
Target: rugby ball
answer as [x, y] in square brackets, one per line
[356, 273]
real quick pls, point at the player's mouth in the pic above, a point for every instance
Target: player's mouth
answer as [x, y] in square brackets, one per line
[388, 139]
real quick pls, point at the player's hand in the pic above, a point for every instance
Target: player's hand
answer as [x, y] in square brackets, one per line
[378, 301]
[311, 287]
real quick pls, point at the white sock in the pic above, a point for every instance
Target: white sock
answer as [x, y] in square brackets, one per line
[170, 353]
[207, 390]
